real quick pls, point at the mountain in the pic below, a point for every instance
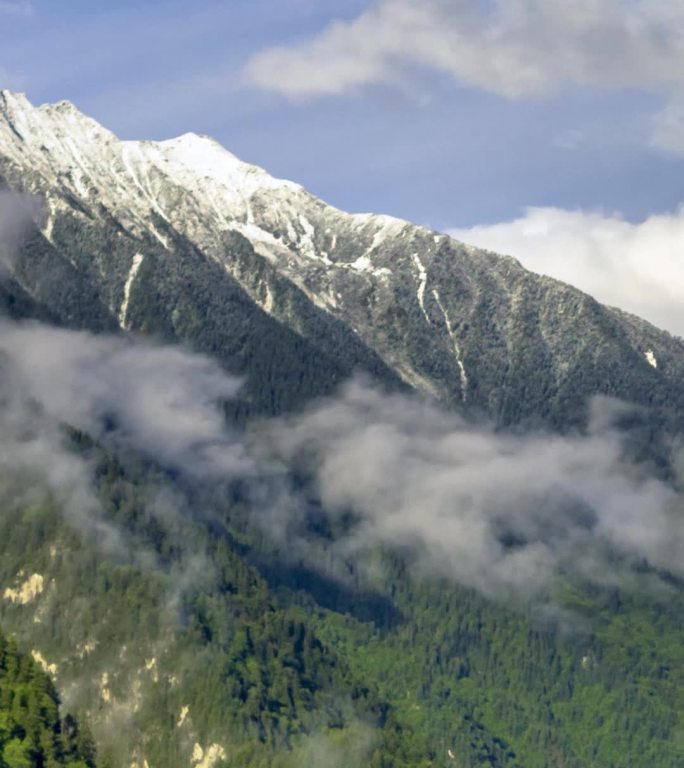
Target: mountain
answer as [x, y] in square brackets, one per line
[188, 619]
[182, 241]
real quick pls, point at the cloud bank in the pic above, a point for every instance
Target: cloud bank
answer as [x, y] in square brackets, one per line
[35, 461]
[637, 267]
[160, 401]
[509, 47]
[503, 514]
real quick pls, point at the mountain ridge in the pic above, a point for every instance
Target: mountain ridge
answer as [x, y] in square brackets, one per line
[382, 278]
[415, 299]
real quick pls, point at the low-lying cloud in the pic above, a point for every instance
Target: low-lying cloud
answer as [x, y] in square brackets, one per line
[162, 402]
[503, 514]
[637, 267]
[35, 461]
[16, 215]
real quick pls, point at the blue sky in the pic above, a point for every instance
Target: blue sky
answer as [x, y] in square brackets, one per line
[452, 113]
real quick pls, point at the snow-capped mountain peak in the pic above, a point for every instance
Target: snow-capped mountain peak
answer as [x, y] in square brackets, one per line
[457, 323]
[207, 158]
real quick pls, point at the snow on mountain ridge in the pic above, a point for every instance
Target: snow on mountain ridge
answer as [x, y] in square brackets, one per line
[60, 141]
[191, 186]
[210, 159]
[435, 312]
[73, 151]
[49, 127]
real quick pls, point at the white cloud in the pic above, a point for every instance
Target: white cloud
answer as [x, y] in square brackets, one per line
[160, 401]
[504, 514]
[515, 48]
[415, 475]
[16, 214]
[637, 267]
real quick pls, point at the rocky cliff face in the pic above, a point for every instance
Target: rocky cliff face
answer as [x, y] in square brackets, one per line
[180, 240]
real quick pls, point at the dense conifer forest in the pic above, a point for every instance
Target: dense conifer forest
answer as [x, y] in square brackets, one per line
[279, 663]
[32, 729]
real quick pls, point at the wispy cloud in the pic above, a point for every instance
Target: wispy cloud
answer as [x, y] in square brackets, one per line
[637, 267]
[513, 48]
[162, 402]
[16, 214]
[503, 514]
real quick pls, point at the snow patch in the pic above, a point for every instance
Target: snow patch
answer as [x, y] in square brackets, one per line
[457, 348]
[78, 178]
[385, 227]
[130, 279]
[422, 277]
[362, 264]
[128, 149]
[306, 241]
[413, 378]
[269, 301]
[263, 242]
[209, 160]
[49, 226]
[26, 592]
